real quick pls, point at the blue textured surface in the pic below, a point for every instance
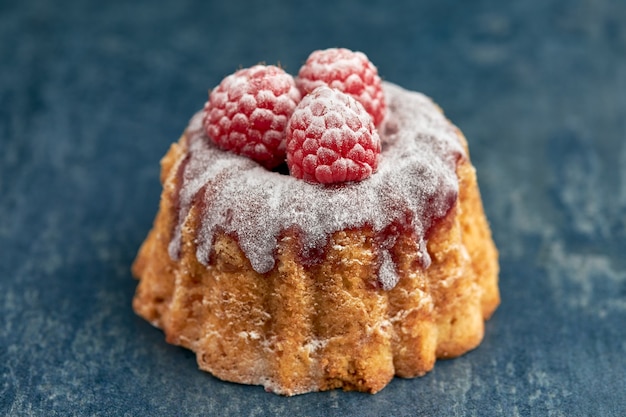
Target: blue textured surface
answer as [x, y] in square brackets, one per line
[92, 94]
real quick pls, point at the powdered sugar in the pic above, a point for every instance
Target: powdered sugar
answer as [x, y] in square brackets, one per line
[415, 185]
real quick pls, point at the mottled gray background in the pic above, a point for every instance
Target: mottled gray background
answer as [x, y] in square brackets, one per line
[92, 94]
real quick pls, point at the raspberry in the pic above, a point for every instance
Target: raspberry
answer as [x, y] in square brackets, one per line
[347, 71]
[331, 138]
[248, 112]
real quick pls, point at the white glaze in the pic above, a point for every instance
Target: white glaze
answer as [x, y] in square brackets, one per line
[416, 181]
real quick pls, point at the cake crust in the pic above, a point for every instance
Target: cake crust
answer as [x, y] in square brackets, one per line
[297, 329]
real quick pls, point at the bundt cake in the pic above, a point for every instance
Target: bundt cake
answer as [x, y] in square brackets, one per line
[301, 284]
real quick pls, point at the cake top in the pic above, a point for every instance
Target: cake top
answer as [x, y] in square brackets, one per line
[414, 186]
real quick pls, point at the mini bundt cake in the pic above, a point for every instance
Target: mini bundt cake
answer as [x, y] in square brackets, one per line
[372, 259]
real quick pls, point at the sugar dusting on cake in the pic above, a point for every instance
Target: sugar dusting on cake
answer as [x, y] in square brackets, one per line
[415, 185]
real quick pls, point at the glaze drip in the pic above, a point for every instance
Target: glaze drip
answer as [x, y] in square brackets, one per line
[415, 185]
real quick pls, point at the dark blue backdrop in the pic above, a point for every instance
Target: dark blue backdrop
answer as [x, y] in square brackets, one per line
[92, 94]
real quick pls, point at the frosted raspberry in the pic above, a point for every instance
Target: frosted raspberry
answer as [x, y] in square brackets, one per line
[331, 138]
[347, 71]
[248, 112]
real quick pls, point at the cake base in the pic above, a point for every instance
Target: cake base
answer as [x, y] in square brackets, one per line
[327, 325]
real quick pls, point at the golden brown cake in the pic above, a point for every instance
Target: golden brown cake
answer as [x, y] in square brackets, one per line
[302, 287]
